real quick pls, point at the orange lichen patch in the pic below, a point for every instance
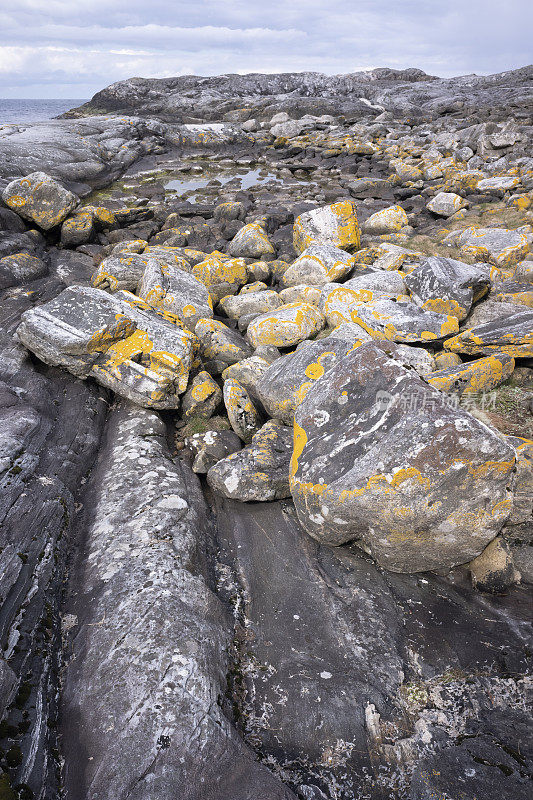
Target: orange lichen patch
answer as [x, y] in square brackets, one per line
[447, 306]
[336, 225]
[524, 297]
[300, 440]
[468, 342]
[213, 270]
[102, 339]
[481, 375]
[288, 325]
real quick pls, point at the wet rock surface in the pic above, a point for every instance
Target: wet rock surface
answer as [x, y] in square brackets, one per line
[223, 252]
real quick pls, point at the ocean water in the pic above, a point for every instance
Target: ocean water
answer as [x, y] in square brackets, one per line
[24, 111]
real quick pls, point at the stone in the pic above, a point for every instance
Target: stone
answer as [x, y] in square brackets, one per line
[335, 225]
[119, 340]
[444, 204]
[389, 220]
[220, 343]
[378, 456]
[221, 275]
[229, 211]
[78, 229]
[340, 302]
[498, 185]
[251, 242]
[209, 447]
[258, 472]
[520, 523]
[481, 375]
[301, 293]
[243, 415]
[514, 292]
[447, 286]
[20, 268]
[368, 187]
[202, 397]
[406, 172]
[236, 306]
[247, 372]
[494, 569]
[284, 385]
[511, 334]
[169, 288]
[403, 322]
[286, 326]
[446, 360]
[40, 199]
[118, 272]
[499, 246]
[317, 265]
[463, 181]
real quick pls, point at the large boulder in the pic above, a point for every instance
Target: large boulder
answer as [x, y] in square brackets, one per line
[340, 302]
[259, 472]
[331, 225]
[380, 456]
[169, 288]
[501, 247]
[447, 286]
[480, 375]
[444, 204]
[388, 220]
[40, 199]
[119, 340]
[241, 305]
[286, 326]
[221, 275]
[317, 265]
[511, 334]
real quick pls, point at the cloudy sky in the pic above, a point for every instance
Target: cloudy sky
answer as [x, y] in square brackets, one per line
[73, 48]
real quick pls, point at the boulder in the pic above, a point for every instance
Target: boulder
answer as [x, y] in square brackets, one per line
[284, 385]
[381, 457]
[259, 472]
[481, 375]
[243, 415]
[251, 242]
[20, 268]
[511, 334]
[119, 340]
[340, 302]
[403, 322]
[247, 372]
[210, 447]
[121, 271]
[221, 275]
[499, 246]
[240, 305]
[494, 569]
[368, 187]
[301, 293]
[447, 286]
[286, 326]
[444, 204]
[389, 220]
[78, 229]
[317, 265]
[40, 199]
[220, 343]
[202, 397]
[169, 288]
[334, 225]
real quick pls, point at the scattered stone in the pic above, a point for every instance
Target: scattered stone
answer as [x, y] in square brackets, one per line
[243, 416]
[334, 225]
[251, 242]
[221, 275]
[317, 265]
[286, 326]
[389, 220]
[202, 397]
[259, 472]
[444, 204]
[210, 447]
[171, 289]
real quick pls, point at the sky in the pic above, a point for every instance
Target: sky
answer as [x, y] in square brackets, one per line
[73, 48]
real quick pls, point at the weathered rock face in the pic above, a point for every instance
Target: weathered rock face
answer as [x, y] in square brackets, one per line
[389, 220]
[145, 719]
[251, 242]
[501, 247]
[20, 268]
[317, 265]
[379, 457]
[210, 447]
[447, 286]
[444, 204]
[117, 339]
[169, 289]
[334, 225]
[258, 472]
[480, 375]
[286, 326]
[402, 322]
[284, 385]
[510, 334]
[40, 199]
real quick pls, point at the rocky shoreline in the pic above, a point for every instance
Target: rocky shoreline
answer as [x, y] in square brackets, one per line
[267, 411]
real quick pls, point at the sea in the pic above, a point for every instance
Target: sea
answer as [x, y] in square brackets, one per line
[24, 111]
